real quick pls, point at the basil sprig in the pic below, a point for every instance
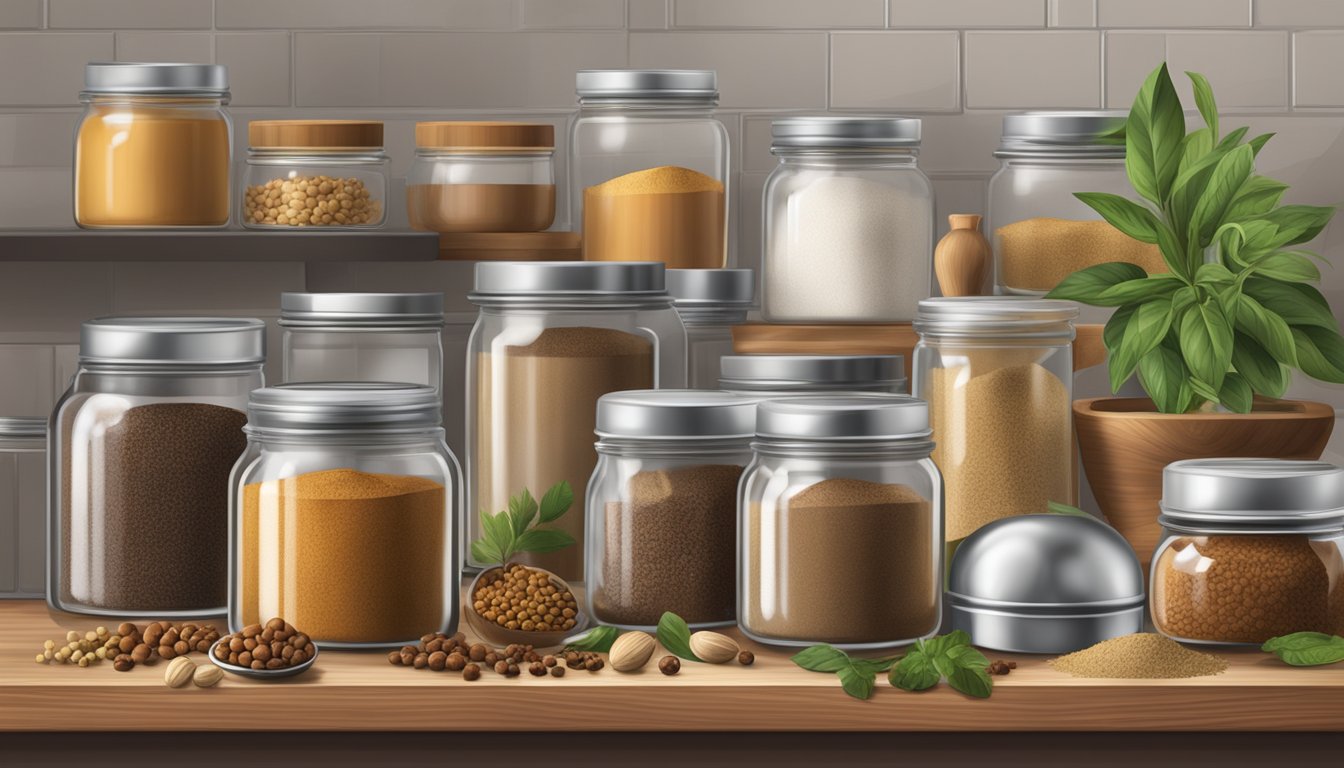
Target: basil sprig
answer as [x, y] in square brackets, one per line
[1306, 649]
[858, 677]
[948, 656]
[514, 530]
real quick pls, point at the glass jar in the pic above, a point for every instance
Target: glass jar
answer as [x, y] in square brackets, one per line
[840, 524]
[1040, 232]
[314, 173]
[23, 507]
[848, 222]
[710, 302]
[153, 146]
[363, 337]
[345, 514]
[550, 340]
[1251, 549]
[795, 375]
[997, 373]
[482, 177]
[649, 167]
[140, 452]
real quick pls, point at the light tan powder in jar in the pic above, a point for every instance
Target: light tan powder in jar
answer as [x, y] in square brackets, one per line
[1037, 254]
[1142, 656]
[670, 214]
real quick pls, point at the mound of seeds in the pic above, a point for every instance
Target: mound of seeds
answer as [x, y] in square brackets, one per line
[524, 598]
[275, 645]
[439, 652]
[130, 644]
[311, 201]
[1142, 656]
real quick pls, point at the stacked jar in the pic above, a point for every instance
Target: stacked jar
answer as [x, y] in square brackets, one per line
[314, 173]
[363, 337]
[23, 512]
[784, 375]
[710, 302]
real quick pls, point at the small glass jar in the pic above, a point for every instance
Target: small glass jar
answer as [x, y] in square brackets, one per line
[345, 515]
[649, 171]
[140, 451]
[363, 337]
[153, 147]
[997, 373]
[840, 524]
[662, 506]
[23, 507]
[550, 340]
[482, 177]
[314, 174]
[1252, 549]
[796, 375]
[1040, 232]
[848, 222]
[710, 302]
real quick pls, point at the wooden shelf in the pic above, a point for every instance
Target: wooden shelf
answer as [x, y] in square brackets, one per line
[361, 691]
[215, 245]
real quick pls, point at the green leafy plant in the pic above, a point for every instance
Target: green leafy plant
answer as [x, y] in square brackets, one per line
[598, 639]
[675, 635]
[507, 533]
[1236, 311]
[858, 677]
[1306, 649]
[949, 656]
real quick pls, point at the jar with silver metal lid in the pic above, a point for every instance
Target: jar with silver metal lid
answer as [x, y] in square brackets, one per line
[345, 514]
[23, 507]
[710, 302]
[153, 147]
[848, 222]
[363, 337]
[306, 175]
[662, 506]
[1251, 549]
[840, 524]
[551, 339]
[139, 456]
[790, 375]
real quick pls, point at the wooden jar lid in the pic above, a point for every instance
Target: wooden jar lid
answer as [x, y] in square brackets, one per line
[484, 135]
[509, 246]
[315, 134]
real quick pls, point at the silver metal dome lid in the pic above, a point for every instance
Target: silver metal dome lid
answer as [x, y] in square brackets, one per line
[655, 84]
[172, 341]
[1075, 133]
[503, 279]
[375, 309]
[675, 414]
[692, 287]
[1260, 492]
[841, 132]
[999, 315]
[111, 77]
[344, 406]
[11, 427]
[782, 373]
[857, 417]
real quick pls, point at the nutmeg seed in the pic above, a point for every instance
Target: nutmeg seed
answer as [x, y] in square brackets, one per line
[713, 648]
[207, 676]
[179, 672]
[631, 651]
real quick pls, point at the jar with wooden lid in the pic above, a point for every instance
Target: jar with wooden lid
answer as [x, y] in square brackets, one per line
[153, 147]
[482, 177]
[314, 173]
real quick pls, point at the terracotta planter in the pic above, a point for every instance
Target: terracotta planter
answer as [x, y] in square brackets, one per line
[1125, 444]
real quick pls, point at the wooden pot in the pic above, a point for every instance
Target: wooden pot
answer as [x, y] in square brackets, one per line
[1125, 443]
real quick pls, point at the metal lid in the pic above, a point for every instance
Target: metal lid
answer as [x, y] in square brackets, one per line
[1029, 134]
[773, 373]
[173, 341]
[845, 132]
[108, 77]
[344, 406]
[568, 278]
[689, 84]
[11, 427]
[997, 315]
[375, 309]
[662, 414]
[868, 417]
[1261, 492]
[693, 287]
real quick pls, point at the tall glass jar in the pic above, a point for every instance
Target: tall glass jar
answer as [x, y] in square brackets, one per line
[23, 507]
[848, 222]
[140, 450]
[1252, 549]
[649, 167]
[794, 375]
[153, 146]
[363, 337]
[550, 340]
[710, 302]
[345, 514]
[479, 177]
[840, 524]
[662, 506]
[303, 174]
[1041, 232]
[997, 373]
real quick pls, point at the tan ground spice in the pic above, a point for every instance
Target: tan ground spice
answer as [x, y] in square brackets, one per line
[1142, 656]
[1037, 254]
[670, 214]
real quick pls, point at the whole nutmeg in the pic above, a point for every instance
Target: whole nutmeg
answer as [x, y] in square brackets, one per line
[207, 676]
[179, 672]
[713, 648]
[632, 651]
[669, 665]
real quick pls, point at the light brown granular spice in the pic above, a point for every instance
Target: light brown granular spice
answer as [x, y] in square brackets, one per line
[1142, 656]
[1037, 254]
[670, 214]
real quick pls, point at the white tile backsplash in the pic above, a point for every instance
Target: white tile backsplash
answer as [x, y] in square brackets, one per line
[129, 14]
[1174, 13]
[21, 14]
[965, 14]
[1022, 70]
[781, 14]
[911, 71]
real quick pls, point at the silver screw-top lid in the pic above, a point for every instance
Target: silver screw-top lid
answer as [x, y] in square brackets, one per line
[866, 417]
[1261, 492]
[109, 77]
[654, 84]
[172, 341]
[705, 287]
[995, 315]
[344, 406]
[11, 427]
[1028, 134]
[841, 132]
[501, 279]
[670, 414]
[371, 309]
[780, 373]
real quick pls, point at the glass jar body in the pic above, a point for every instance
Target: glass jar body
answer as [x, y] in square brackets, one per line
[23, 511]
[709, 336]
[460, 191]
[335, 352]
[310, 188]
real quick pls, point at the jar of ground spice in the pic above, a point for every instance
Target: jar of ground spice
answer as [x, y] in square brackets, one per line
[710, 302]
[141, 448]
[345, 514]
[662, 506]
[1252, 549]
[840, 524]
[482, 177]
[550, 340]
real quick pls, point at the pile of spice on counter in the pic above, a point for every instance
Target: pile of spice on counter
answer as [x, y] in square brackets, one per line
[129, 644]
[439, 652]
[1142, 656]
[527, 599]
[276, 645]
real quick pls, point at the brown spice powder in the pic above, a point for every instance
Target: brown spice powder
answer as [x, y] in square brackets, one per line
[1142, 656]
[1037, 254]
[480, 207]
[669, 214]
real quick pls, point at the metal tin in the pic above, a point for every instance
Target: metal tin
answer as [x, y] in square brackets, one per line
[343, 406]
[1070, 134]
[114, 77]
[999, 316]
[854, 417]
[1045, 584]
[378, 309]
[812, 373]
[172, 341]
[503, 279]
[691, 288]
[1305, 496]
[833, 132]
[691, 84]
[670, 414]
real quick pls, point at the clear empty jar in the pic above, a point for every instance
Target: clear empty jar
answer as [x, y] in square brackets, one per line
[785, 375]
[710, 302]
[314, 173]
[23, 507]
[482, 177]
[363, 337]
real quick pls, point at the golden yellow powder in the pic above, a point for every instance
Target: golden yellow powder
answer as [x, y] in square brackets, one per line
[664, 179]
[1037, 254]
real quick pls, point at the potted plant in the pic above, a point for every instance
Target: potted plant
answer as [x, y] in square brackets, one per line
[1213, 341]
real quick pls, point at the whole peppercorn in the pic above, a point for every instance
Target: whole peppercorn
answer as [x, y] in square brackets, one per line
[512, 671]
[478, 652]
[123, 663]
[456, 662]
[746, 658]
[394, 658]
[557, 671]
[421, 660]
[537, 669]
[471, 672]
[502, 667]
[549, 660]
[669, 665]
[594, 664]
[438, 660]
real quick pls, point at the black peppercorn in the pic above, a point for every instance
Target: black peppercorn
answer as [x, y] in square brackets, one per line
[669, 665]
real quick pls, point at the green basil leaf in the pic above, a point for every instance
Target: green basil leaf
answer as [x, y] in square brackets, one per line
[1204, 390]
[1058, 508]
[498, 531]
[915, 672]
[1145, 331]
[956, 637]
[1267, 328]
[1206, 343]
[1228, 176]
[943, 664]
[556, 501]
[857, 682]
[1258, 195]
[1234, 137]
[1123, 214]
[1173, 252]
[874, 665]
[1208, 108]
[1259, 142]
[1194, 147]
[1297, 641]
[971, 681]
[968, 657]
[1299, 223]
[818, 658]
[676, 636]
[1296, 303]
[543, 540]
[522, 509]
[1165, 378]
[1087, 285]
[1320, 353]
[597, 640]
[1153, 136]
[1214, 273]
[1114, 331]
[1289, 267]
[1146, 288]
[1265, 374]
[1235, 394]
[486, 553]
[1307, 649]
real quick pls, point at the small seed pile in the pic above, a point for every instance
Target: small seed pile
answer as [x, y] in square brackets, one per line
[1142, 656]
[129, 645]
[275, 645]
[1001, 667]
[526, 599]
[439, 652]
[311, 201]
